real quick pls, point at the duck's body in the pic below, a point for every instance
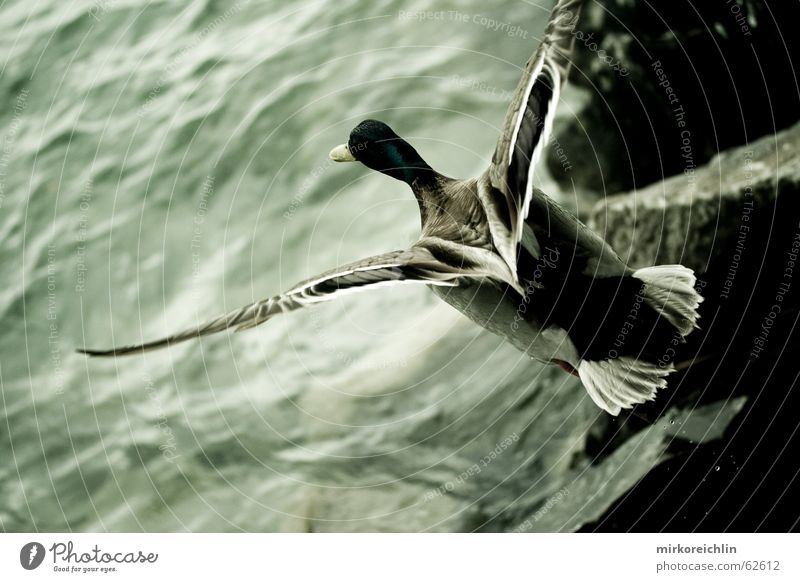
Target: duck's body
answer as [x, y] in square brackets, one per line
[508, 257]
[457, 211]
[562, 268]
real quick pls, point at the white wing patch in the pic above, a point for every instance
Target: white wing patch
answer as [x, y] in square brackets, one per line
[547, 128]
[520, 116]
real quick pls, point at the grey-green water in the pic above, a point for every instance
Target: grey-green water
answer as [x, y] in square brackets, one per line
[163, 162]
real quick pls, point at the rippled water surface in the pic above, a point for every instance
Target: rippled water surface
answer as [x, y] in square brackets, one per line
[163, 162]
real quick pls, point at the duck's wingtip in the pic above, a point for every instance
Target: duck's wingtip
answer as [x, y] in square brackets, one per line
[92, 353]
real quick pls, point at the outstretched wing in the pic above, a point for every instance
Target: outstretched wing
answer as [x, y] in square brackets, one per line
[415, 265]
[530, 117]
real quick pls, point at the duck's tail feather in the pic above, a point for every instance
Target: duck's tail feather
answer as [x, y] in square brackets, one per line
[669, 289]
[622, 382]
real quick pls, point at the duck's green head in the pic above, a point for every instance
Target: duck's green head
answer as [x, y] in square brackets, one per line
[377, 146]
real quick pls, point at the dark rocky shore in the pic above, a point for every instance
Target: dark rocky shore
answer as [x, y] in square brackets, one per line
[672, 84]
[744, 241]
[706, 141]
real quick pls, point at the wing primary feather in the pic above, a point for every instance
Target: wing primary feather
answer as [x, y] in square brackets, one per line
[530, 116]
[415, 265]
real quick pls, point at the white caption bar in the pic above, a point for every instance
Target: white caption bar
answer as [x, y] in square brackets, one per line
[400, 557]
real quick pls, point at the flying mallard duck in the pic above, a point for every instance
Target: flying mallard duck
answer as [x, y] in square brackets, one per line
[508, 257]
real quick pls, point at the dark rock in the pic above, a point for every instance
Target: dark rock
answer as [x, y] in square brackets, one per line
[688, 218]
[661, 76]
[745, 481]
[738, 226]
